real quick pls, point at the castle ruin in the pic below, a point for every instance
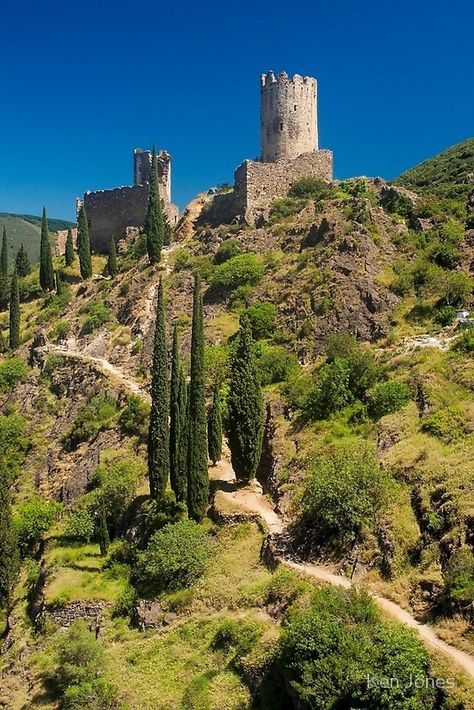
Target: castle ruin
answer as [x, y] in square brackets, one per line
[289, 147]
[110, 212]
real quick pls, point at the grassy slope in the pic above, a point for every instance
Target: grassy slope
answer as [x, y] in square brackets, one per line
[26, 229]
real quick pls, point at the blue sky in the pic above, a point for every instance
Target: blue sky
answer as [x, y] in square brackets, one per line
[84, 83]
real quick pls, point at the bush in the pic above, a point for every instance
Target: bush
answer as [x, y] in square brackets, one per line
[395, 202]
[275, 364]
[237, 637]
[54, 361]
[79, 656]
[135, 416]
[465, 342]
[80, 525]
[175, 557]
[13, 444]
[115, 481]
[387, 397]
[343, 493]
[455, 288]
[332, 392]
[332, 646]
[227, 250]
[445, 315]
[96, 314]
[241, 270]
[94, 694]
[182, 260]
[60, 330]
[95, 416]
[286, 207]
[448, 423]
[262, 318]
[311, 188]
[458, 593]
[32, 520]
[12, 371]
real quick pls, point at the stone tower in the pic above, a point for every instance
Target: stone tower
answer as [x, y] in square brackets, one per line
[288, 116]
[142, 168]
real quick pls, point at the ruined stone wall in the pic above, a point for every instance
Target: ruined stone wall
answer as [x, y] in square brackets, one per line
[288, 116]
[60, 241]
[257, 185]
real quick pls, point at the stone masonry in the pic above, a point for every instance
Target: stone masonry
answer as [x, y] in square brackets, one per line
[110, 212]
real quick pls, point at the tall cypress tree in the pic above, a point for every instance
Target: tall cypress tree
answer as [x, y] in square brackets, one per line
[69, 255]
[84, 245]
[14, 340]
[177, 423]
[8, 544]
[214, 427]
[22, 262]
[46, 273]
[154, 224]
[182, 457]
[112, 259]
[158, 433]
[4, 281]
[59, 283]
[198, 476]
[245, 421]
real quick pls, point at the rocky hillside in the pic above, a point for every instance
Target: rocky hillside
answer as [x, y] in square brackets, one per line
[352, 291]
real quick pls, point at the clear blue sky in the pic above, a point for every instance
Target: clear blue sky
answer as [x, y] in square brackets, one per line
[84, 83]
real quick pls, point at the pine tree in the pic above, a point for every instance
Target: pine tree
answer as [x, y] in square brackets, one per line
[214, 427]
[112, 260]
[14, 340]
[46, 274]
[69, 255]
[158, 433]
[245, 421]
[59, 283]
[177, 423]
[198, 476]
[104, 539]
[84, 245]
[154, 225]
[22, 262]
[4, 281]
[8, 544]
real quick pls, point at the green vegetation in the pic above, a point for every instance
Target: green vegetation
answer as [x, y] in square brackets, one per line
[112, 268]
[135, 417]
[96, 314]
[227, 250]
[46, 270]
[154, 224]
[14, 323]
[262, 317]
[387, 397]
[178, 424]
[22, 262]
[97, 414]
[4, 279]
[12, 371]
[245, 416]
[69, 254]
[238, 271]
[13, 445]
[31, 521]
[158, 433]
[8, 543]
[214, 427]
[83, 244]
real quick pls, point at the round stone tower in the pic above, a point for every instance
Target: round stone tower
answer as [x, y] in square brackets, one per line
[288, 116]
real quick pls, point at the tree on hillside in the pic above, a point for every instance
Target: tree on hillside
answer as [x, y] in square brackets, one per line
[22, 262]
[154, 224]
[46, 273]
[14, 340]
[59, 283]
[158, 433]
[8, 546]
[214, 427]
[245, 407]
[69, 255]
[177, 422]
[4, 282]
[104, 538]
[198, 476]
[84, 245]
[112, 260]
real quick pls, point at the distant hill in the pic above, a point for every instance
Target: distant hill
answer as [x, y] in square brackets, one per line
[446, 174]
[27, 229]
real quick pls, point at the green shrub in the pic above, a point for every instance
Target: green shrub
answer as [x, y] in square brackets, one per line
[241, 270]
[395, 202]
[54, 361]
[115, 482]
[445, 315]
[387, 397]
[465, 342]
[275, 364]
[31, 521]
[13, 444]
[286, 207]
[262, 318]
[455, 288]
[227, 250]
[176, 556]
[236, 638]
[96, 415]
[96, 314]
[79, 656]
[60, 330]
[343, 493]
[182, 260]
[331, 393]
[311, 188]
[448, 423]
[80, 525]
[332, 647]
[458, 593]
[12, 371]
[93, 694]
[134, 417]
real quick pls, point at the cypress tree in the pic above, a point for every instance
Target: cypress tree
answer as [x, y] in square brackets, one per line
[104, 539]
[46, 274]
[154, 225]
[182, 457]
[177, 423]
[214, 427]
[14, 341]
[4, 281]
[245, 422]
[112, 259]
[69, 255]
[8, 544]
[22, 262]
[59, 283]
[84, 245]
[198, 476]
[158, 433]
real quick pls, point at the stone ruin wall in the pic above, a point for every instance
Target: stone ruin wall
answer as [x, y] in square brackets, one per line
[60, 240]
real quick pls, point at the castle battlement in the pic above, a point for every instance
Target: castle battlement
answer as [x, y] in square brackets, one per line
[269, 79]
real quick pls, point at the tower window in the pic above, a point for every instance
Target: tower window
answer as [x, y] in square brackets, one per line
[294, 107]
[281, 126]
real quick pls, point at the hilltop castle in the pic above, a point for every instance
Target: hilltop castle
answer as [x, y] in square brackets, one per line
[110, 212]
